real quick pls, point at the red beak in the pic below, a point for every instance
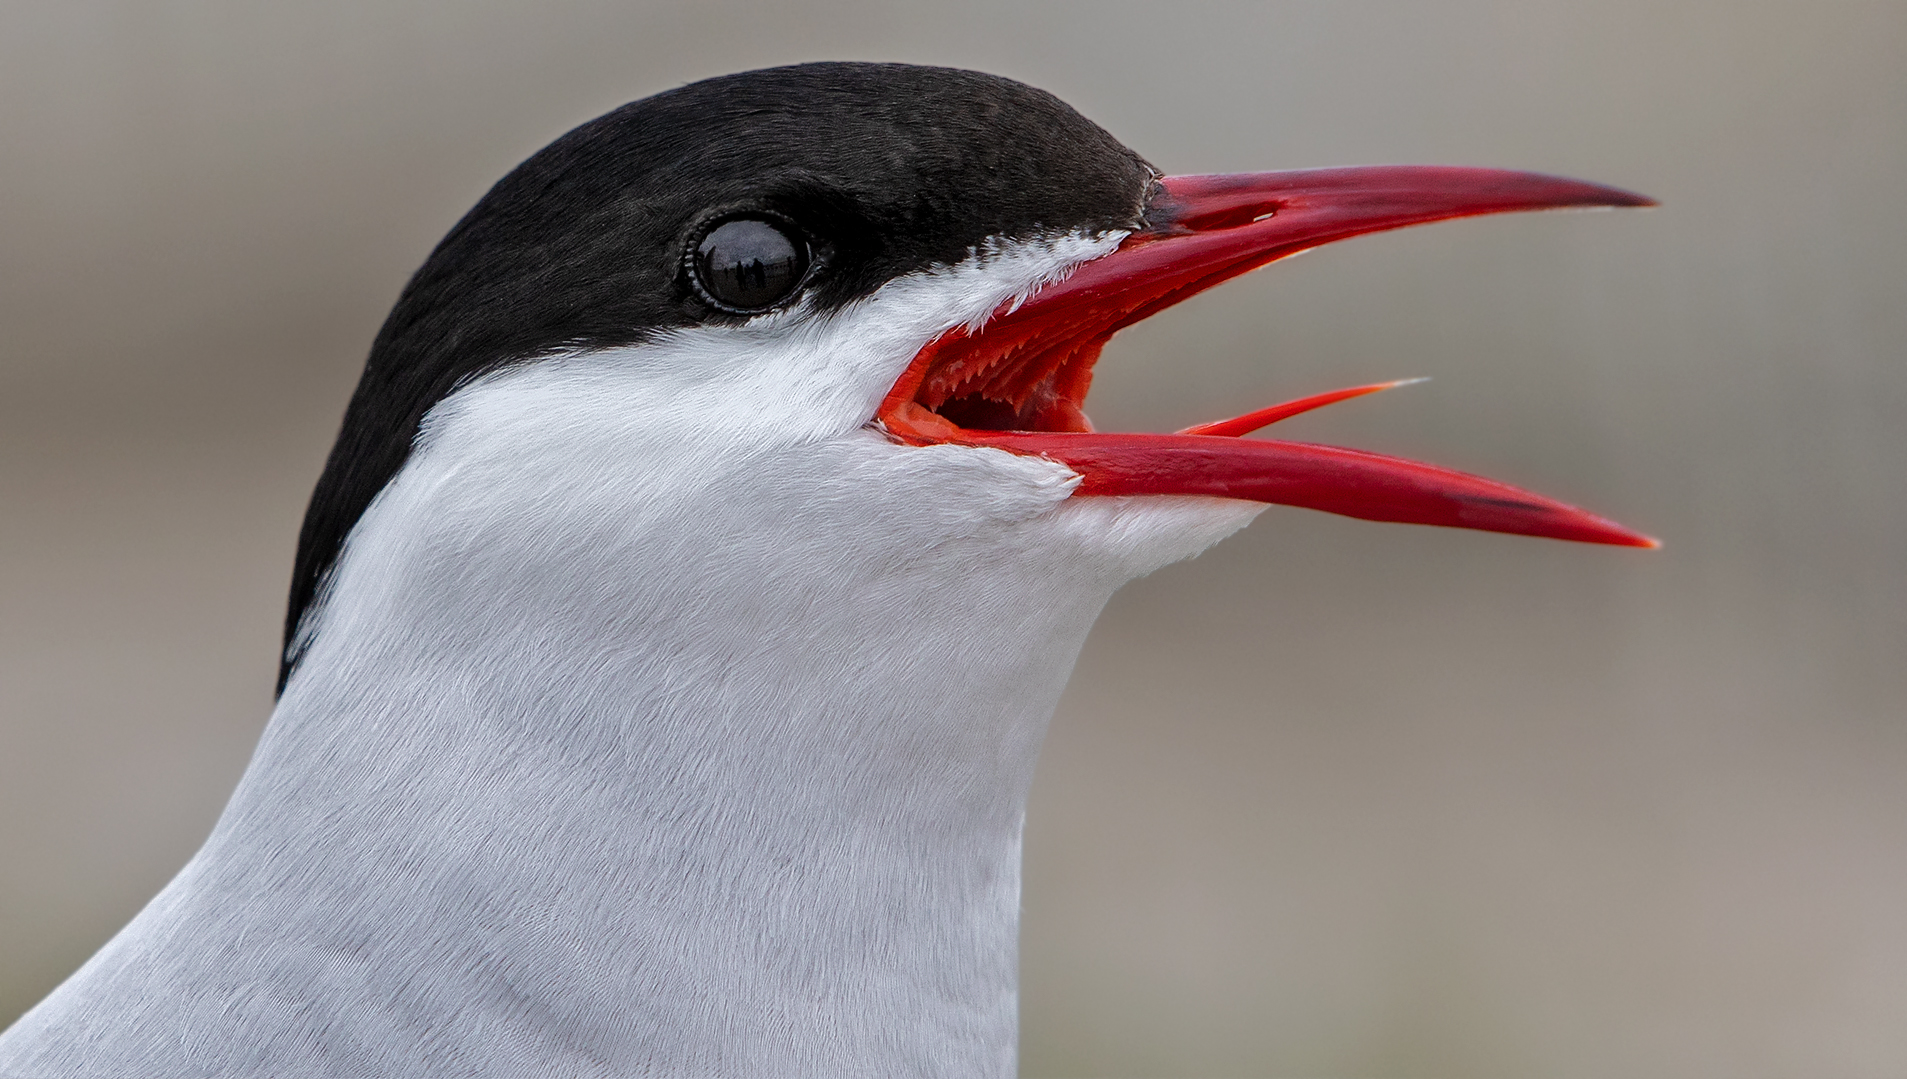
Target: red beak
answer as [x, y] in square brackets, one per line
[1018, 383]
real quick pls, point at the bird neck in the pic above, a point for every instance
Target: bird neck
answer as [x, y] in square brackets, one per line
[645, 752]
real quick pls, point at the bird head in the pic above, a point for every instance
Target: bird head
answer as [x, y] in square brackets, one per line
[922, 262]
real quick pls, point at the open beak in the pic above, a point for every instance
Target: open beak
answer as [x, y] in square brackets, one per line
[1018, 383]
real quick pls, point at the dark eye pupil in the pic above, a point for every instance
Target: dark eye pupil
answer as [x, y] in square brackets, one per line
[749, 263]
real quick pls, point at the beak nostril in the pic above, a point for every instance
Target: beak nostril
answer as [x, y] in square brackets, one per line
[1229, 217]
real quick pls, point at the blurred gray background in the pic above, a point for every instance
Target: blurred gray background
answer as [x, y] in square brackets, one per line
[1337, 798]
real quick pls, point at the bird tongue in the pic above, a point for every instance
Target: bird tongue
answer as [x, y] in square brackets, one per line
[1018, 382]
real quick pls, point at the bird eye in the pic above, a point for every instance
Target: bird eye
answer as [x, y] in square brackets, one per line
[748, 264]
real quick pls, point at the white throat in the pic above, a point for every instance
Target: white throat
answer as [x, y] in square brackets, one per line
[653, 725]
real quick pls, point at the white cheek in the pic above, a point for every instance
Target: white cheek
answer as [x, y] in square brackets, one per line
[630, 456]
[788, 376]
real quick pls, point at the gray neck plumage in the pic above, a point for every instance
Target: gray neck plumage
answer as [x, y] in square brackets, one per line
[616, 752]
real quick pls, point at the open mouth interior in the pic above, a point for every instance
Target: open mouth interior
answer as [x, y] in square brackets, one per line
[1044, 390]
[997, 380]
[966, 387]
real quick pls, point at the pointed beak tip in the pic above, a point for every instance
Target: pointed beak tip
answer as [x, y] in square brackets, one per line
[1588, 196]
[1622, 537]
[1603, 196]
[1630, 200]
